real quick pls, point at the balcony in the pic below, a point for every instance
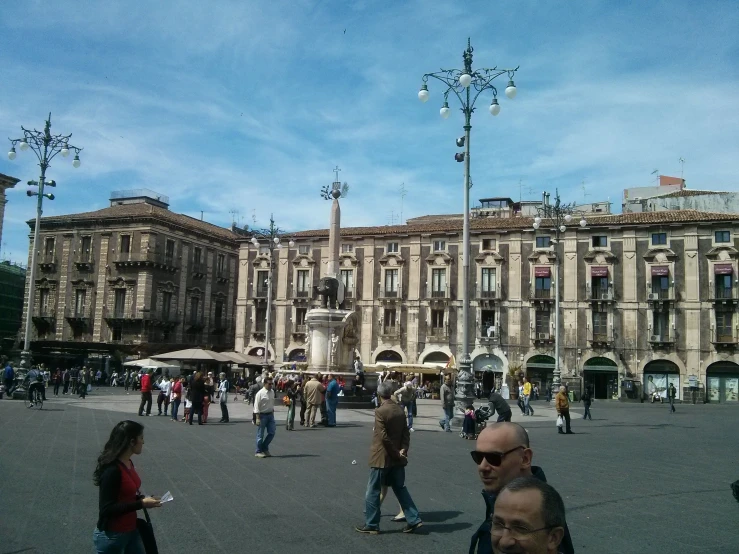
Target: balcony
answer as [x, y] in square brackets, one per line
[124, 314]
[657, 296]
[386, 294]
[665, 339]
[220, 326]
[222, 276]
[47, 262]
[163, 319]
[439, 295]
[437, 334]
[602, 339]
[349, 293]
[84, 262]
[542, 295]
[302, 296]
[199, 270]
[78, 315]
[724, 338]
[300, 331]
[44, 317]
[194, 323]
[390, 331]
[489, 335]
[722, 295]
[598, 294]
[155, 261]
[488, 296]
[543, 337]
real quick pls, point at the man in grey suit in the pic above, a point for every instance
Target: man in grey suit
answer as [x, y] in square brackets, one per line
[387, 461]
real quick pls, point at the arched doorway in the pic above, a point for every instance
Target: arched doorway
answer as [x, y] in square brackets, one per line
[389, 356]
[601, 378]
[723, 382]
[658, 375]
[297, 355]
[258, 351]
[540, 372]
[436, 358]
[488, 368]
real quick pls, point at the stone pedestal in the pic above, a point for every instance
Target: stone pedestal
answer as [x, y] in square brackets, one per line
[464, 391]
[332, 339]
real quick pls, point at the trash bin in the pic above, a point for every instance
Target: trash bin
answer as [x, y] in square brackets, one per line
[572, 396]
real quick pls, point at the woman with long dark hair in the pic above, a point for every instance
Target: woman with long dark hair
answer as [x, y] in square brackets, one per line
[116, 477]
[197, 394]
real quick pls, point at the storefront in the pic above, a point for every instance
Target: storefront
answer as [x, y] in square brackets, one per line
[488, 368]
[600, 377]
[658, 376]
[540, 372]
[723, 382]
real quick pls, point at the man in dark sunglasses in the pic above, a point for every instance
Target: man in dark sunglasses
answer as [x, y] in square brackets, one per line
[502, 454]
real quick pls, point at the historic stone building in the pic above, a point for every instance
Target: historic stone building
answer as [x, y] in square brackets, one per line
[134, 277]
[6, 182]
[646, 298]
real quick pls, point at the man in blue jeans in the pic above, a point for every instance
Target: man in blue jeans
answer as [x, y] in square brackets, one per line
[264, 404]
[447, 403]
[388, 458]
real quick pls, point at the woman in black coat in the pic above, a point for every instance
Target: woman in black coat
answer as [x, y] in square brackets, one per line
[197, 393]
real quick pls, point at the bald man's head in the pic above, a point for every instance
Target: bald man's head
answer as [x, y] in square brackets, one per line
[509, 455]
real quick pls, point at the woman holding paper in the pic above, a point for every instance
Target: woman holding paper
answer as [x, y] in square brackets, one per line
[119, 496]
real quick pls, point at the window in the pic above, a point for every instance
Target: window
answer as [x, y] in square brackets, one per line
[262, 278]
[661, 285]
[391, 282]
[44, 302]
[302, 287]
[300, 314]
[49, 246]
[438, 283]
[85, 249]
[723, 286]
[600, 241]
[542, 287]
[723, 236]
[218, 314]
[542, 323]
[166, 305]
[125, 244]
[347, 277]
[260, 323]
[347, 248]
[304, 249]
[600, 286]
[543, 242]
[221, 264]
[661, 324]
[119, 307]
[169, 251]
[390, 318]
[117, 334]
[80, 301]
[264, 250]
[488, 244]
[659, 239]
[600, 326]
[437, 319]
[724, 324]
[392, 247]
[197, 256]
[488, 282]
[439, 245]
[194, 301]
[487, 317]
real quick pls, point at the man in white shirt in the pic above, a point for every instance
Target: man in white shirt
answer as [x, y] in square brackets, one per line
[165, 388]
[264, 405]
[223, 397]
[405, 396]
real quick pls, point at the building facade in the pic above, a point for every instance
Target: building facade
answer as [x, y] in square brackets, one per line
[6, 182]
[135, 278]
[12, 282]
[647, 299]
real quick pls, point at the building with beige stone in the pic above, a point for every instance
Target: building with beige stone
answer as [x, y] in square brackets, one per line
[647, 299]
[134, 277]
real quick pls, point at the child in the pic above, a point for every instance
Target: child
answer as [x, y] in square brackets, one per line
[188, 405]
[468, 426]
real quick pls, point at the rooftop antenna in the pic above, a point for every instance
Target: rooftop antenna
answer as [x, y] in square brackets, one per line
[233, 213]
[254, 217]
[201, 215]
[584, 193]
[403, 192]
[520, 185]
[682, 167]
[655, 172]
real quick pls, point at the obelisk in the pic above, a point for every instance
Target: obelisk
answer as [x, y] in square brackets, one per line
[334, 233]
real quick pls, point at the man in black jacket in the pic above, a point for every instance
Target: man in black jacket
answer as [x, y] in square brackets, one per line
[503, 454]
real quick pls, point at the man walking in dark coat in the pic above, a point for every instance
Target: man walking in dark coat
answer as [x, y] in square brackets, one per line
[498, 404]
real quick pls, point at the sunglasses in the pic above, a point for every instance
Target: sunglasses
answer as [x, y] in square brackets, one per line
[493, 458]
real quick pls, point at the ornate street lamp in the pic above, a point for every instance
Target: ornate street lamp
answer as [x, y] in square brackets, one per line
[555, 217]
[46, 146]
[467, 84]
[271, 238]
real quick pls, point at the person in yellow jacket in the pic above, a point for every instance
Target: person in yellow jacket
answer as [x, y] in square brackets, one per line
[562, 404]
[528, 410]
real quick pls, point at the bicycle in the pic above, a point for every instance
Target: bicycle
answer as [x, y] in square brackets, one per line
[37, 399]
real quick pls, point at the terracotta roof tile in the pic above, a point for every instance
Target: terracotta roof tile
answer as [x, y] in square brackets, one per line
[526, 223]
[686, 192]
[145, 211]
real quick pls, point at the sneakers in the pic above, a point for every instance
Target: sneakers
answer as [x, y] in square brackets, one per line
[367, 530]
[267, 454]
[410, 528]
[398, 519]
[411, 429]
[260, 455]
[441, 424]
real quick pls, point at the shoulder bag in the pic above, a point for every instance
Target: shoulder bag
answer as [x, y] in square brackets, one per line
[146, 531]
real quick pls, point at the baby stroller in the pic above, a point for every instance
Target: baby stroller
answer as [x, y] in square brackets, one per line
[482, 414]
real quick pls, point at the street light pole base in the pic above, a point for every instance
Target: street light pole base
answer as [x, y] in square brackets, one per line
[464, 391]
[26, 360]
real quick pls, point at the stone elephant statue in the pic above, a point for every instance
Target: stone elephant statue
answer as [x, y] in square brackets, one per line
[328, 288]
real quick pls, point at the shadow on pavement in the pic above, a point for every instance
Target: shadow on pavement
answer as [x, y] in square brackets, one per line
[441, 528]
[296, 456]
[438, 517]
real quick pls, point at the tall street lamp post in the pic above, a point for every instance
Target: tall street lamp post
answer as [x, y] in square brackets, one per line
[556, 217]
[270, 238]
[46, 146]
[467, 84]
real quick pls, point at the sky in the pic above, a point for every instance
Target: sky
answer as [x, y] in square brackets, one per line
[241, 109]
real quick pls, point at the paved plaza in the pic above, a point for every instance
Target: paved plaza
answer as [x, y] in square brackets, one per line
[635, 479]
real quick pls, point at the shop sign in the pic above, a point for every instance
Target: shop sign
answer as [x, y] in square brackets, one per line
[723, 269]
[542, 271]
[599, 271]
[692, 381]
[660, 270]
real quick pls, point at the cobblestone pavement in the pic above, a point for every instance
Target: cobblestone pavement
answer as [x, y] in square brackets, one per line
[635, 479]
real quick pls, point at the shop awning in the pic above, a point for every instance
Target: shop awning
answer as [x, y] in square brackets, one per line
[542, 271]
[660, 271]
[599, 271]
[723, 269]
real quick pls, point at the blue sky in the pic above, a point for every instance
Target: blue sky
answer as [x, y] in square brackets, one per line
[248, 105]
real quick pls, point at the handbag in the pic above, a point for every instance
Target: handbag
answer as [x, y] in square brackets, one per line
[146, 532]
[560, 421]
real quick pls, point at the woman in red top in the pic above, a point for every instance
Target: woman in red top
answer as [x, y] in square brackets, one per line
[119, 484]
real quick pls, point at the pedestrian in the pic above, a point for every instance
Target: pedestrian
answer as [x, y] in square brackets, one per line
[210, 391]
[358, 383]
[114, 379]
[536, 392]
[177, 396]
[303, 403]
[527, 397]
[520, 401]
[57, 381]
[197, 393]
[127, 380]
[313, 391]
[387, 461]
[65, 380]
[562, 404]
[447, 403]
[549, 394]
[265, 403]
[222, 395]
[671, 394]
[83, 383]
[119, 499]
[99, 378]
[502, 453]
[9, 378]
[74, 379]
[146, 387]
[527, 503]
[332, 400]
[291, 392]
[165, 389]
[498, 404]
[587, 400]
[405, 396]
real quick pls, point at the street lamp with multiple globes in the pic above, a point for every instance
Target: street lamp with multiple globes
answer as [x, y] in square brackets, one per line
[555, 217]
[467, 85]
[46, 146]
[271, 238]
